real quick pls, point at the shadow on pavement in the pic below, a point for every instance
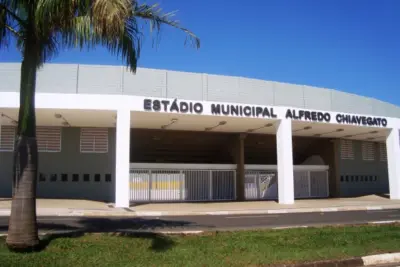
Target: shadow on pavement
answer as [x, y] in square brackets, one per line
[126, 227]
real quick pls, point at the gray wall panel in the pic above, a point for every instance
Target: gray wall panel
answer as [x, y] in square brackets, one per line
[239, 90]
[289, 95]
[99, 80]
[224, 89]
[57, 78]
[256, 91]
[204, 80]
[351, 103]
[69, 161]
[10, 75]
[146, 82]
[352, 186]
[317, 98]
[182, 85]
[384, 109]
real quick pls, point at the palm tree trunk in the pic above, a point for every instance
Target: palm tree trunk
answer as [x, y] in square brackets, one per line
[23, 230]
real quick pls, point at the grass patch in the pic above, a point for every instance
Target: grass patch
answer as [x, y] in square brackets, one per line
[244, 248]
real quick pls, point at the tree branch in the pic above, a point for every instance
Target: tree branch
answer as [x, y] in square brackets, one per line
[12, 30]
[13, 15]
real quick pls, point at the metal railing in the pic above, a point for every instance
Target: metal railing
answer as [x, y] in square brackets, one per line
[153, 185]
[311, 183]
[202, 182]
[260, 184]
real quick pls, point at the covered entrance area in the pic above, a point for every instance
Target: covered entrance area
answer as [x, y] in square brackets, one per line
[125, 156]
[183, 158]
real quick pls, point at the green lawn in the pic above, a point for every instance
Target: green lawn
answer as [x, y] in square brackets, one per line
[250, 248]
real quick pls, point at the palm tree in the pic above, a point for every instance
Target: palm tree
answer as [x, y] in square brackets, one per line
[41, 28]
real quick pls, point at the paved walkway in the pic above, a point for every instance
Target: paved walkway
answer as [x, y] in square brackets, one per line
[63, 207]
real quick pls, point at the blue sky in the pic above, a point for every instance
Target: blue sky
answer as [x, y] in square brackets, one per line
[349, 45]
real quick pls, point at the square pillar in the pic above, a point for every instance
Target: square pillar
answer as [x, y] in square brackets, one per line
[393, 156]
[285, 162]
[123, 130]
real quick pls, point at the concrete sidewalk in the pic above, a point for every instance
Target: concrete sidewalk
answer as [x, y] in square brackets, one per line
[371, 202]
[69, 207]
[64, 207]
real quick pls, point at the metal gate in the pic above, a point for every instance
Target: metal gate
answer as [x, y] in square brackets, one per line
[186, 183]
[204, 182]
[309, 182]
[261, 185]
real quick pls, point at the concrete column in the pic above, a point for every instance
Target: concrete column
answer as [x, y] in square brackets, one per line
[240, 171]
[393, 156]
[1, 119]
[334, 170]
[122, 158]
[285, 162]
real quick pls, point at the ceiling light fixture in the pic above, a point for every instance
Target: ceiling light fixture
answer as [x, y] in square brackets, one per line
[371, 132]
[173, 120]
[335, 131]
[264, 126]
[221, 123]
[64, 122]
[303, 129]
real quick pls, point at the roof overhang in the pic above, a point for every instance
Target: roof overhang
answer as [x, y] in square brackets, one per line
[77, 110]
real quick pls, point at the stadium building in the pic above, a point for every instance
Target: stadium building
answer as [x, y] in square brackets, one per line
[166, 136]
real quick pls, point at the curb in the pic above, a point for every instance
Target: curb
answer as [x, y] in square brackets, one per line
[130, 212]
[214, 230]
[353, 262]
[258, 211]
[381, 259]
[371, 260]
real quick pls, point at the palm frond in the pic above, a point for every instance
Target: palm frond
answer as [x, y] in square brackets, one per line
[4, 34]
[128, 45]
[156, 17]
[48, 47]
[113, 24]
[10, 22]
[82, 33]
[55, 11]
[15, 10]
[110, 15]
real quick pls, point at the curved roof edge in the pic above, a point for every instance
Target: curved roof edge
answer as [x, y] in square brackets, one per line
[108, 79]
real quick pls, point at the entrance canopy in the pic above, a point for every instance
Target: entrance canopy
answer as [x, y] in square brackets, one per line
[183, 122]
[64, 117]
